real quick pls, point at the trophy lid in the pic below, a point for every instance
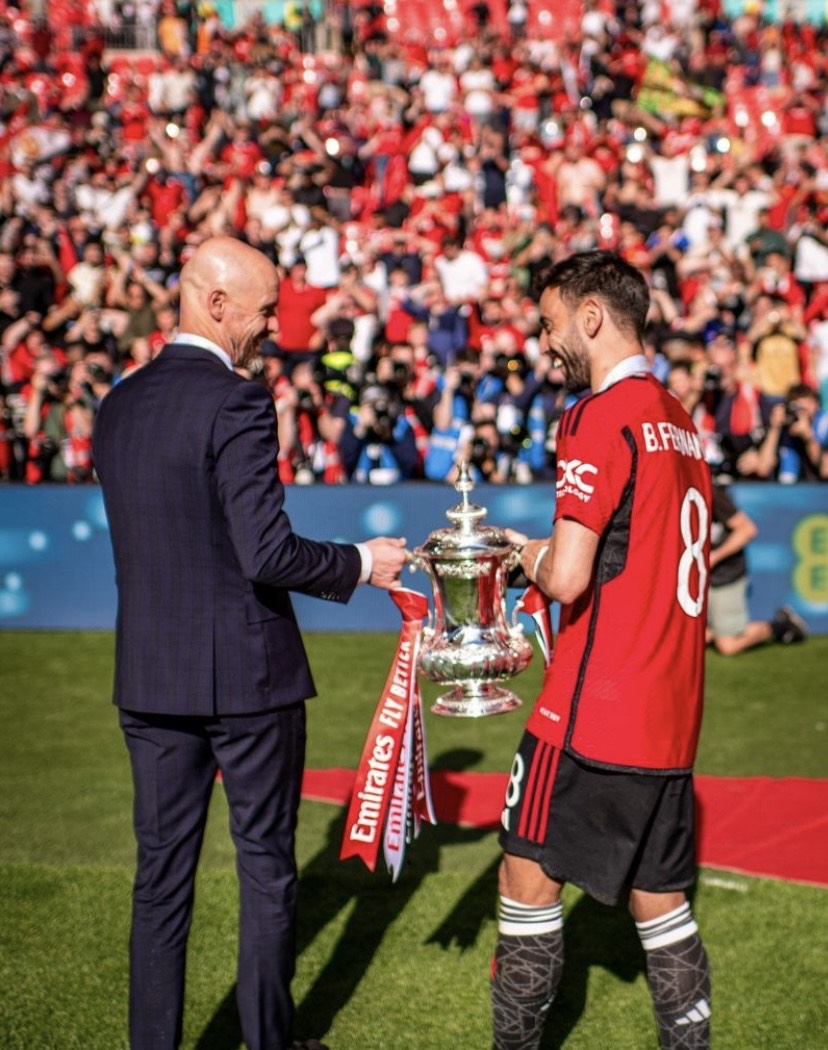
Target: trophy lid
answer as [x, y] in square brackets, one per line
[468, 534]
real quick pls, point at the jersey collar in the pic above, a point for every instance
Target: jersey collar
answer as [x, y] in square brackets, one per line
[630, 366]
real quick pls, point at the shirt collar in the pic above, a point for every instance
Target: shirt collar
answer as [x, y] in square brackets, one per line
[630, 366]
[205, 344]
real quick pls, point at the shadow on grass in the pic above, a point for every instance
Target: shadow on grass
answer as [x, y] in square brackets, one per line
[327, 887]
[224, 1029]
[373, 901]
[596, 935]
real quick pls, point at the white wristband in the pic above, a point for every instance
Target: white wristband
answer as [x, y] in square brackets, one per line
[538, 559]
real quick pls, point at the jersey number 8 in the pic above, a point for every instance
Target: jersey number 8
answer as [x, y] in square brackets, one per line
[693, 553]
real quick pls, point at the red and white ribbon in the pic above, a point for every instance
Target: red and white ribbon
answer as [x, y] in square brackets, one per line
[398, 824]
[535, 603]
[392, 798]
[422, 805]
[391, 794]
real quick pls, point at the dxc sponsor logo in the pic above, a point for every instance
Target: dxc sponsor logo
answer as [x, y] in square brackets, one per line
[571, 476]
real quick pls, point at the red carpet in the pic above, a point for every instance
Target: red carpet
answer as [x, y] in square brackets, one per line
[776, 828]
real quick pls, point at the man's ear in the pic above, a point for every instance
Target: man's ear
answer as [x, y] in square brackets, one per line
[592, 317]
[216, 302]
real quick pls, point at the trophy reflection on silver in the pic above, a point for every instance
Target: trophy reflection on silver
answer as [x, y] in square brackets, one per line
[470, 645]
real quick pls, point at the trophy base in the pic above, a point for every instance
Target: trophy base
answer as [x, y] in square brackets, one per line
[474, 700]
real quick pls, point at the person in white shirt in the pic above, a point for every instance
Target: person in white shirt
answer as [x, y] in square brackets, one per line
[671, 173]
[810, 253]
[319, 245]
[28, 189]
[439, 85]
[423, 160]
[741, 202]
[463, 273]
[477, 84]
[106, 196]
[580, 180]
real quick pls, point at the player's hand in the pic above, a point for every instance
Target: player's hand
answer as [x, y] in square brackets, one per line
[388, 558]
[529, 557]
[517, 538]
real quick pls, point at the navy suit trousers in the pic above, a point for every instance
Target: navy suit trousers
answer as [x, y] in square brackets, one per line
[174, 764]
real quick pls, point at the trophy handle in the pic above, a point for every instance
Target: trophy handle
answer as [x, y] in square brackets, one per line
[415, 562]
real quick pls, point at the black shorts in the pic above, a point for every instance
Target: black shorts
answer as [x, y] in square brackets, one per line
[607, 832]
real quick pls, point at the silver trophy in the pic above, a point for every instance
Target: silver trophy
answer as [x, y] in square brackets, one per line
[469, 644]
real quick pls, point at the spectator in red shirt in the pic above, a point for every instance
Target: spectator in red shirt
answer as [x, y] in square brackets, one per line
[24, 344]
[166, 316]
[776, 279]
[242, 154]
[299, 337]
[489, 319]
[165, 196]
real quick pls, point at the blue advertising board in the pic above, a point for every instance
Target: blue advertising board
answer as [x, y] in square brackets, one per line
[56, 569]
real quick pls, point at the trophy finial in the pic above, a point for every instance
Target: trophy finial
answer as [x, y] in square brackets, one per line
[464, 483]
[466, 515]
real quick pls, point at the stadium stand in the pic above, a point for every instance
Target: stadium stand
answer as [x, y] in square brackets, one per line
[411, 165]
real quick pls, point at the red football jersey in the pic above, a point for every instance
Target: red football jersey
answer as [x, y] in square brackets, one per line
[625, 686]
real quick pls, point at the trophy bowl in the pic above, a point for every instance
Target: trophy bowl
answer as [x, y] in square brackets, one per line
[469, 644]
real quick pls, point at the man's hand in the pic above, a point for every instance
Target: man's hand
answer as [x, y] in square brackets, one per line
[801, 427]
[517, 538]
[776, 420]
[388, 557]
[529, 560]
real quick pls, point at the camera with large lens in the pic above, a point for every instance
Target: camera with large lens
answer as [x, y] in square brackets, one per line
[512, 439]
[466, 384]
[792, 413]
[58, 383]
[304, 401]
[384, 399]
[480, 450]
[97, 373]
[400, 374]
[712, 388]
[506, 365]
[712, 380]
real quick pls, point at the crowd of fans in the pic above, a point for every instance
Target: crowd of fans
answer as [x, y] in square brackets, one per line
[410, 187]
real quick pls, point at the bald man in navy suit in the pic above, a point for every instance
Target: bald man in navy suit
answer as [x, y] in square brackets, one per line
[210, 670]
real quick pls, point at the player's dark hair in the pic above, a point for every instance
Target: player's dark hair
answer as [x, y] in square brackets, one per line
[606, 276]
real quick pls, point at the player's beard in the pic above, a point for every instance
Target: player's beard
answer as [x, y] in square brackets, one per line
[574, 357]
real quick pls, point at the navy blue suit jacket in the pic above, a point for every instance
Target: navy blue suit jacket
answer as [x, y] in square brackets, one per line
[204, 552]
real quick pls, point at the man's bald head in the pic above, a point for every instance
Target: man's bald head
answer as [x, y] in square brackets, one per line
[221, 262]
[228, 295]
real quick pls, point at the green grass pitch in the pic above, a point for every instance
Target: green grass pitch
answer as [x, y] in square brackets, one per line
[380, 966]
